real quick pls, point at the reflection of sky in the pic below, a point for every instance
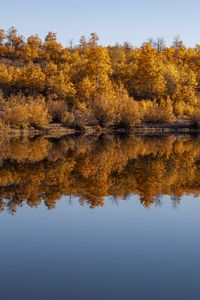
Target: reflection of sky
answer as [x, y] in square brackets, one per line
[127, 20]
[116, 252]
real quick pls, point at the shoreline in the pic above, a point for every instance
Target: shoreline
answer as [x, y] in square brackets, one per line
[57, 130]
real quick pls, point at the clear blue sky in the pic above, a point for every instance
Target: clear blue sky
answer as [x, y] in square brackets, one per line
[113, 20]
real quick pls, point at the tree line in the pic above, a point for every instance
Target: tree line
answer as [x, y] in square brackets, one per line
[43, 82]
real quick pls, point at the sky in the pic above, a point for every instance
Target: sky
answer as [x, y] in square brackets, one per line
[113, 20]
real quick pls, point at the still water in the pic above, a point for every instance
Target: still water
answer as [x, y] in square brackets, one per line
[100, 218]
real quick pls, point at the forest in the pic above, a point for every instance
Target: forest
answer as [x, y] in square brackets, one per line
[43, 82]
[92, 169]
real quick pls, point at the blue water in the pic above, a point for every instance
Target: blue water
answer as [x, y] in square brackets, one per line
[120, 251]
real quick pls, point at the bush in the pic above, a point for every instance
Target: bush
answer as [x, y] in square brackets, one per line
[38, 113]
[115, 108]
[102, 111]
[68, 119]
[57, 109]
[184, 109]
[73, 120]
[14, 114]
[158, 114]
[21, 112]
[127, 113]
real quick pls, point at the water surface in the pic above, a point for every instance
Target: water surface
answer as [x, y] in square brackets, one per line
[100, 218]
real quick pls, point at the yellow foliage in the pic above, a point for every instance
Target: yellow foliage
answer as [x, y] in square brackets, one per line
[88, 80]
[21, 112]
[56, 109]
[158, 113]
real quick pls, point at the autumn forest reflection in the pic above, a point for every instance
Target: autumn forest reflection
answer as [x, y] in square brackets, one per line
[36, 171]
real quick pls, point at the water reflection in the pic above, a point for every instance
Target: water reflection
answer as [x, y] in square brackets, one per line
[42, 170]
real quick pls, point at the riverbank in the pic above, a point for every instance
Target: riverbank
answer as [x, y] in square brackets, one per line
[57, 130]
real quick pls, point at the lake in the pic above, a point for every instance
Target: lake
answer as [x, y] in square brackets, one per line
[100, 217]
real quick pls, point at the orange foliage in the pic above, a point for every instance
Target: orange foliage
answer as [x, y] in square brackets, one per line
[86, 81]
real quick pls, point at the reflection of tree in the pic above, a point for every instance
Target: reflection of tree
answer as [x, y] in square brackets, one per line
[42, 171]
[158, 200]
[175, 201]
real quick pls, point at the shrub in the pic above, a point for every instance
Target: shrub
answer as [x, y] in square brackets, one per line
[158, 114]
[184, 109]
[68, 119]
[73, 120]
[14, 113]
[38, 115]
[57, 109]
[21, 112]
[127, 113]
[115, 107]
[102, 111]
